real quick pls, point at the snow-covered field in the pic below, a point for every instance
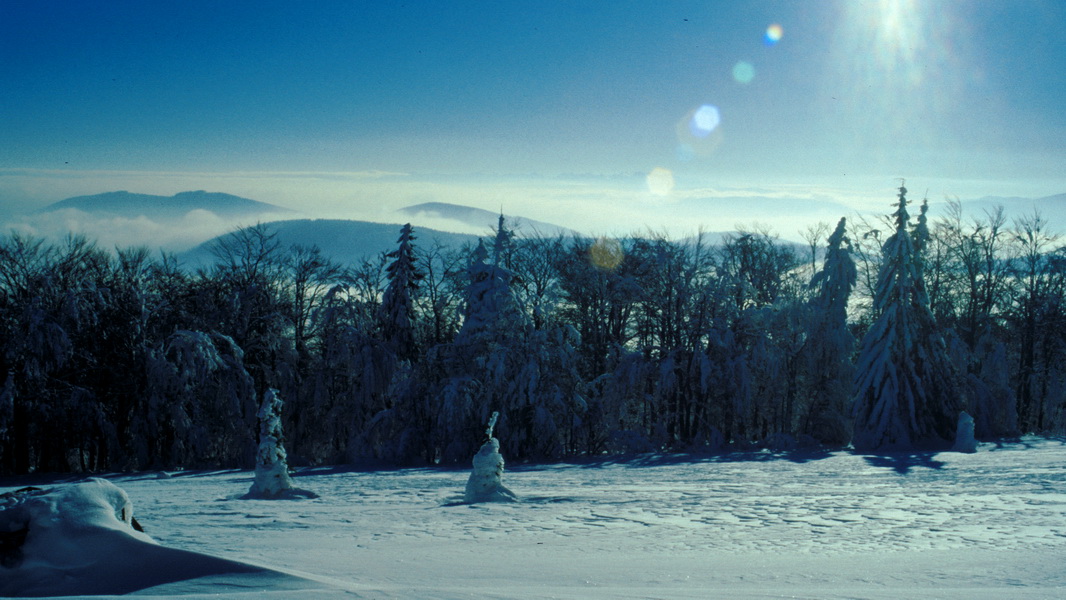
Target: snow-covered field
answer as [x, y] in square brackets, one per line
[751, 525]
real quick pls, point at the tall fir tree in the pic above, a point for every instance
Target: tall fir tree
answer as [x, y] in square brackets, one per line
[396, 313]
[905, 392]
[491, 311]
[828, 357]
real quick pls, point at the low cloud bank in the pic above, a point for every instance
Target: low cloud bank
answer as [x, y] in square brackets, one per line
[112, 231]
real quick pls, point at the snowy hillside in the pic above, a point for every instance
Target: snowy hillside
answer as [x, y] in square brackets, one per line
[480, 219]
[749, 525]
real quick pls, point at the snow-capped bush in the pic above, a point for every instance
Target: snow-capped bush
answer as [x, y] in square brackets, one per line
[271, 465]
[964, 438]
[486, 482]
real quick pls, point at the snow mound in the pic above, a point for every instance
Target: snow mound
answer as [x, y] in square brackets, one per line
[79, 539]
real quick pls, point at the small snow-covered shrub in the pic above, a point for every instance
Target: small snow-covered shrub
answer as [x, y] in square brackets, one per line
[964, 438]
[486, 482]
[271, 465]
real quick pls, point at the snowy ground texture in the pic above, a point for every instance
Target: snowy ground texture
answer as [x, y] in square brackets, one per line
[751, 525]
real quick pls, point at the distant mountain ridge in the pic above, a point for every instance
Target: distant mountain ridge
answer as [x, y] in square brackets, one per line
[1052, 208]
[166, 207]
[481, 218]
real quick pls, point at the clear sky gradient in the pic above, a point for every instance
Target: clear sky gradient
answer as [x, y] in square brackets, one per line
[557, 110]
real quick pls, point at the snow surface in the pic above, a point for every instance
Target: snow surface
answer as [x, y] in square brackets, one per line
[752, 525]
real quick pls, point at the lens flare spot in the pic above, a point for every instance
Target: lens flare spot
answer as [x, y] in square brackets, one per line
[743, 72]
[773, 34]
[699, 133]
[705, 120]
[660, 181]
[606, 254]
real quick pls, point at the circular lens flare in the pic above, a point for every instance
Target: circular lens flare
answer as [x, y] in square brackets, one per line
[606, 254]
[699, 133]
[705, 120]
[660, 182]
[743, 72]
[773, 34]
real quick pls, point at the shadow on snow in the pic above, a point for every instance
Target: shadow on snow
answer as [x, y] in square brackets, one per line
[903, 462]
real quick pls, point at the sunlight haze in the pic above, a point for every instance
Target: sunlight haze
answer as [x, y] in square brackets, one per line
[608, 118]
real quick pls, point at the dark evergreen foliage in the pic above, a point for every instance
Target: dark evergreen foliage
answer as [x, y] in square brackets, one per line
[121, 360]
[906, 390]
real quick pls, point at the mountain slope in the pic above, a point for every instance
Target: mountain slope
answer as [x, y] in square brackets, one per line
[480, 218]
[346, 242]
[1052, 208]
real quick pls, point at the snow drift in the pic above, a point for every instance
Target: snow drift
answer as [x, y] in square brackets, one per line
[79, 539]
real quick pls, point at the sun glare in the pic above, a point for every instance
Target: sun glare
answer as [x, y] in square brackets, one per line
[900, 60]
[899, 35]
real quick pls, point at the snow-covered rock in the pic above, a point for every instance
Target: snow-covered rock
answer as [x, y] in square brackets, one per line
[79, 539]
[964, 436]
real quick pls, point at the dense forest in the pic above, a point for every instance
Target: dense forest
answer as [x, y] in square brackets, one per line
[875, 333]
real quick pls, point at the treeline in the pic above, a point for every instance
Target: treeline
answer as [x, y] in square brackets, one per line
[121, 360]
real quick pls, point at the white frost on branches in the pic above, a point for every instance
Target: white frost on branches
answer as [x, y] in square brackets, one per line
[905, 393]
[271, 465]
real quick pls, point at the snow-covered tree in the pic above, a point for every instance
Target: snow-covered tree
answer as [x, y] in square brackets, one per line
[271, 462]
[827, 357]
[483, 359]
[201, 404]
[396, 313]
[486, 481]
[491, 309]
[498, 359]
[905, 393]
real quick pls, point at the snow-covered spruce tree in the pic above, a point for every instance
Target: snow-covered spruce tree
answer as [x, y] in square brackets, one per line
[828, 356]
[200, 404]
[486, 481]
[396, 313]
[482, 357]
[500, 360]
[905, 393]
[399, 430]
[491, 310]
[272, 479]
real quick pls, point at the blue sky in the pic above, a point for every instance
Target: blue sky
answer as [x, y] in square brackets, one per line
[346, 107]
